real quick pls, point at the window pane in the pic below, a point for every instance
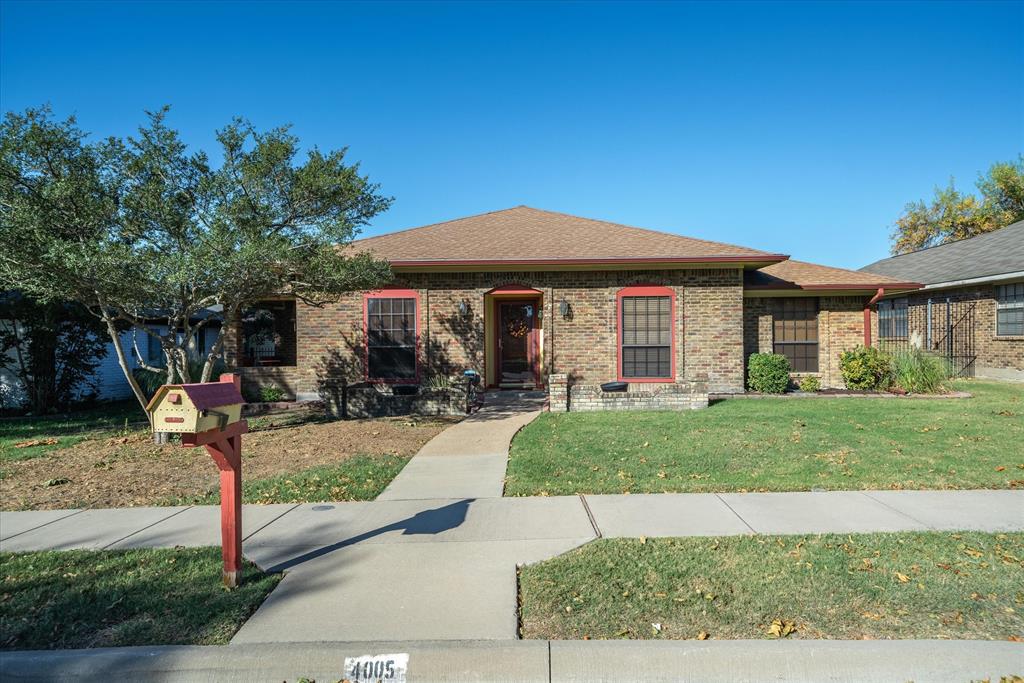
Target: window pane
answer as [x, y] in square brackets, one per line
[392, 363]
[391, 338]
[795, 327]
[646, 329]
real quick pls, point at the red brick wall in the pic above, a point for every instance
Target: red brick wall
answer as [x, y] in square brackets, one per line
[840, 328]
[993, 351]
[708, 315]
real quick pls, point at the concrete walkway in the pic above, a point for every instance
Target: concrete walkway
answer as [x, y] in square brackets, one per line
[468, 459]
[540, 661]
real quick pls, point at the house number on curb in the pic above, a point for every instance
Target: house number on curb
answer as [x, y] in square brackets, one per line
[374, 668]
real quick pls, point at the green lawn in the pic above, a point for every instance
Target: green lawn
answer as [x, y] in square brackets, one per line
[61, 431]
[73, 599]
[360, 477]
[905, 585]
[779, 445]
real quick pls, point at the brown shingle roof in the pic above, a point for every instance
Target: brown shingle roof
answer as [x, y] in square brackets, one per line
[526, 235]
[792, 274]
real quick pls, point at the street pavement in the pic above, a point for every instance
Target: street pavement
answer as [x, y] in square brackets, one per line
[539, 661]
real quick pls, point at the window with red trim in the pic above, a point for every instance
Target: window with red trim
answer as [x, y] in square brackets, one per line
[391, 337]
[645, 333]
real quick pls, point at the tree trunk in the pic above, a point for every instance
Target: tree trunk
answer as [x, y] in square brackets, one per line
[122, 360]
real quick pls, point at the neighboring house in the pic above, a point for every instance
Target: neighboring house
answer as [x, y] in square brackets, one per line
[521, 294]
[971, 307]
[110, 383]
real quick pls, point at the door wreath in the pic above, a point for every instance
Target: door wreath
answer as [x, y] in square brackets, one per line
[517, 329]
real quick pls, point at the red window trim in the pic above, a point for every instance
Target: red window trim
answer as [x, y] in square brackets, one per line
[389, 293]
[645, 290]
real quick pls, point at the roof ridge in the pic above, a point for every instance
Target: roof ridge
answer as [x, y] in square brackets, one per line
[650, 230]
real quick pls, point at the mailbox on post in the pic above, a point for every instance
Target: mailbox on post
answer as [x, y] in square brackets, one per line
[210, 415]
[194, 408]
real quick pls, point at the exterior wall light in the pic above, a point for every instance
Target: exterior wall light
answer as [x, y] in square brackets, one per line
[463, 308]
[564, 309]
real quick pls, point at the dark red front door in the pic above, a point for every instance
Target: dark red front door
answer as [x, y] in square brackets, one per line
[517, 337]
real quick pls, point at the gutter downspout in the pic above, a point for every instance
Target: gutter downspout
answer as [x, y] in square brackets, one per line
[867, 314]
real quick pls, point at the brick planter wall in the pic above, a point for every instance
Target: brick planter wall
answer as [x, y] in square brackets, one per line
[378, 401]
[685, 395]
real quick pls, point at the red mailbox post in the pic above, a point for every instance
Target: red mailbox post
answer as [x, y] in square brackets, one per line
[189, 408]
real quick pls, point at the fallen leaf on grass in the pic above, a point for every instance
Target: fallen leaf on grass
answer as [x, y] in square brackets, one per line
[1000, 469]
[902, 578]
[973, 553]
[781, 628]
[703, 635]
[37, 442]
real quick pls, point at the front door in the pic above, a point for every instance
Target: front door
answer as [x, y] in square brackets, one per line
[517, 336]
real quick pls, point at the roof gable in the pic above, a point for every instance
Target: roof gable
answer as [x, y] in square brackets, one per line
[990, 255]
[526, 235]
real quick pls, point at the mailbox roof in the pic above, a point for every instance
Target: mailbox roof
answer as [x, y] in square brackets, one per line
[212, 394]
[204, 396]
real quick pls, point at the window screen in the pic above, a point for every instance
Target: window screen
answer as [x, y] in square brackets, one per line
[795, 323]
[647, 337]
[391, 338]
[1010, 310]
[892, 319]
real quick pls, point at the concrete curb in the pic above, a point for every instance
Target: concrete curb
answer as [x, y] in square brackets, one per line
[922, 661]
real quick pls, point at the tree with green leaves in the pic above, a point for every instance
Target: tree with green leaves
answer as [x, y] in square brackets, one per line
[953, 215]
[140, 230]
[52, 349]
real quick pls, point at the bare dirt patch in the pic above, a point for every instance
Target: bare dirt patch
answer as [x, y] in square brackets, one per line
[131, 470]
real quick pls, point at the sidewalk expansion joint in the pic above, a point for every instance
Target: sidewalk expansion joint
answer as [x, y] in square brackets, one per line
[590, 516]
[253, 533]
[62, 517]
[738, 516]
[867, 494]
[148, 526]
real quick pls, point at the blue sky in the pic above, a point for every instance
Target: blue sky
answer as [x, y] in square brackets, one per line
[802, 128]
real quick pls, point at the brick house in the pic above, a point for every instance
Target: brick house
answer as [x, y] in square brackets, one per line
[971, 307]
[523, 296]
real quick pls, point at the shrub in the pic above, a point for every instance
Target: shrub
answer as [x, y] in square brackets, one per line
[810, 384]
[271, 394]
[442, 383]
[919, 372]
[768, 373]
[866, 368]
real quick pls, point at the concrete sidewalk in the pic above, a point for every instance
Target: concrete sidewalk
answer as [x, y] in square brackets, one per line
[291, 527]
[791, 661]
[446, 569]
[468, 459]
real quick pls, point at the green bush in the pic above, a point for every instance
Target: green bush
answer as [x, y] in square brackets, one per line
[768, 373]
[271, 394]
[919, 372]
[810, 384]
[866, 369]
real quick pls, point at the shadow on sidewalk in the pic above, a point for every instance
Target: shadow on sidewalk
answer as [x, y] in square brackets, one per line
[429, 522]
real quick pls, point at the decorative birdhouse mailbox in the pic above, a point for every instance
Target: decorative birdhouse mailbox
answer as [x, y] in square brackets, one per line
[210, 415]
[194, 408]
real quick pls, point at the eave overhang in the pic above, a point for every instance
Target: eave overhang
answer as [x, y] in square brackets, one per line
[746, 261]
[830, 289]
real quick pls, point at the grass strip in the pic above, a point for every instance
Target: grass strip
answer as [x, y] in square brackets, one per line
[111, 598]
[360, 477]
[856, 586]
